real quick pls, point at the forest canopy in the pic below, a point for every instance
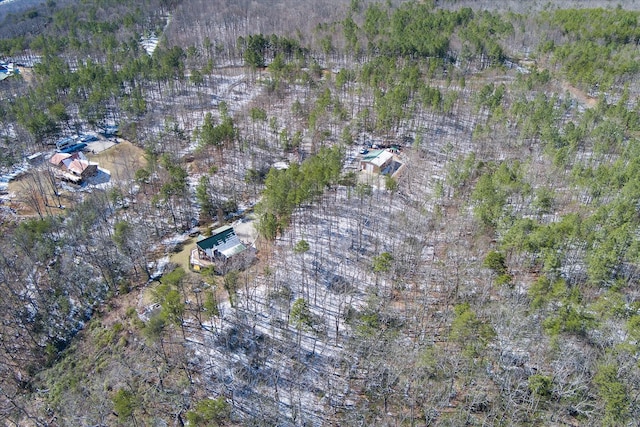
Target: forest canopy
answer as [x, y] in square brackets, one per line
[437, 206]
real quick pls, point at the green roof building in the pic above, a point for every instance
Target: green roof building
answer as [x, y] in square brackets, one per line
[222, 244]
[375, 161]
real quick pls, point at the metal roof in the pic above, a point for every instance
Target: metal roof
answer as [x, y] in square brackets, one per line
[76, 166]
[57, 158]
[371, 155]
[7, 69]
[231, 247]
[378, 157]
[223, 240]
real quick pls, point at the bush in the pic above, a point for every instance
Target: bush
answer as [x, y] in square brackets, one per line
[495, 261]
[540, 385]
[208, 412]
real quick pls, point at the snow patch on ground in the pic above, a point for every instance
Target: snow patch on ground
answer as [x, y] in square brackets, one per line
[158, 267]
[149, 44]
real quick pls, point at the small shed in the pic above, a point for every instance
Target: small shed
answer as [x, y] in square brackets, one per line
[35, 158]
[375, 161]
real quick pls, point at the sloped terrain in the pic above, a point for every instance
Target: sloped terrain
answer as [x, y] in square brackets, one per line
[491, 280]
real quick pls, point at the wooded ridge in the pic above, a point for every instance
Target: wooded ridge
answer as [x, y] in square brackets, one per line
[433, 210]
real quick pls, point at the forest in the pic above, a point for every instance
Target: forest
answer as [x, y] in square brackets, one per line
[438, 203]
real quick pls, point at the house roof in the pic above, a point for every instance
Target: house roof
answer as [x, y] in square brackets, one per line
[371, 155]
[76, 166]
[378, 157]
[7, 70]
[57, 158]
[223, 240]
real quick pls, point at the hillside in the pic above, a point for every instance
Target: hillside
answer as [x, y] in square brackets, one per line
[436, 208]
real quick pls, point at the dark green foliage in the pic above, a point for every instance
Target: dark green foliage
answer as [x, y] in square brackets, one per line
[177, 183]
[217, 135]
[210, 305]
[168, 63]
[374, 321]
[633, 328]
[375, 21]
[289, 188]
[469, 331]
[542, 291]
[350, 29]
[167, 294]
[209, 412]
[490, 96]
[608, 231]
[599, 45]
[493, 190]
[258, 114]
[38, 238]
[415, 30]
[12, 46]
[300, 315]
[256, 49]
[204, 197]
[541, 385]
[142, 176]
[430, 97]
[254, 177]
[496, 262]
[611, 26]
[382, 263]
[349, 179]
[344, 77]
[124, 403]
[571, 241]
[481, 35]
[461, 171]
[534, 79]
[301, 247]
[155, 327]
[107, 83]
[614, 394]
[544, 200]
[120, 233]
[390, 184]
[230, 283]
[537, 116]
[570, 317]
